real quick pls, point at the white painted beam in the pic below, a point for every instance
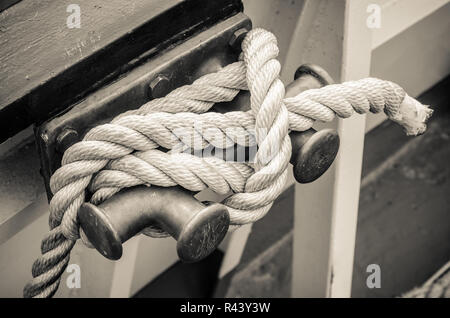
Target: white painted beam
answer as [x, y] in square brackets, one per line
[326, 210]
[398, 15]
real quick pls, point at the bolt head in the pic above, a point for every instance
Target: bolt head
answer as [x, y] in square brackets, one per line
[237, 38]
[159, 87]
[66, 139]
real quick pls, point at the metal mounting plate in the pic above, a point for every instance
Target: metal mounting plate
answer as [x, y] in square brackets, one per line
[203, 53]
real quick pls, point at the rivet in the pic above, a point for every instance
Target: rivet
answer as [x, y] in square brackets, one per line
[66, 139]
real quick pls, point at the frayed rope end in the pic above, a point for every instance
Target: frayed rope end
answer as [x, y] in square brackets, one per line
[412, 116]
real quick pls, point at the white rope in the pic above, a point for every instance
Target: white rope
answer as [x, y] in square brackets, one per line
[124, 153]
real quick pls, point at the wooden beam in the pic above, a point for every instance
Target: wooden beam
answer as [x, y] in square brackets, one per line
[398, 15]
[326, 210]
[357, 53]
[47, 66]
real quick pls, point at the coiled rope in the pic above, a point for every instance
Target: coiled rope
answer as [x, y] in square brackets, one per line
[437, 286]
[124, 153]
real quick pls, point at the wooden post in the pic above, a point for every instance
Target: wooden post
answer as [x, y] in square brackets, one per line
[326, 211]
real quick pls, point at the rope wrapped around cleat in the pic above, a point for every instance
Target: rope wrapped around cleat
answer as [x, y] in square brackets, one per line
[127, 151]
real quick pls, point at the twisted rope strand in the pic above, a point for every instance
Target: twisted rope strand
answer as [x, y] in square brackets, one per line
[126, 152]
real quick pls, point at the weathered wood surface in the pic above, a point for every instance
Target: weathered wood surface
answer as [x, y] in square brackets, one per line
[46, 66]
[20, 185]
[5, 4]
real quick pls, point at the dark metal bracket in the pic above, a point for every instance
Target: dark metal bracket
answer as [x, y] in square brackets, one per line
[203, 53]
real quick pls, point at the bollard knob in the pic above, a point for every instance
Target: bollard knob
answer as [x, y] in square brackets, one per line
[198, 228]
[312, 152]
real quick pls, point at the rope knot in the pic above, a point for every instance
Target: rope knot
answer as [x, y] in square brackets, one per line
[124, 153]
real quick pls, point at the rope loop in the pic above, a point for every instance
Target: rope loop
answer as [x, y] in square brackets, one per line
[124, 153]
